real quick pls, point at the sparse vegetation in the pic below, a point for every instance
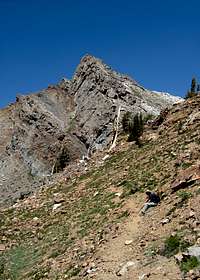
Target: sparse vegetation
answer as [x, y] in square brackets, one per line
[62, 160]
[71, 272]
[151, 251]
[173, 244]
[189, 263]
[184, 195]
[129, 188]
[19, 259]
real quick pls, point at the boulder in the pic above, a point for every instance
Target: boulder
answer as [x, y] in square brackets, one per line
[186, 178]
[194, 251]
[124, 269]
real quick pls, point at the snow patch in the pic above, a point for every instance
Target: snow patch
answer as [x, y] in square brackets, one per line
[168, 96]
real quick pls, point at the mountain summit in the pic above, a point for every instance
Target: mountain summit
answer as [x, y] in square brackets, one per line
[42, 133]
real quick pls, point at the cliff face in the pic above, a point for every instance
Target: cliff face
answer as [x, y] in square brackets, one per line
[42, 133]
[34, 131]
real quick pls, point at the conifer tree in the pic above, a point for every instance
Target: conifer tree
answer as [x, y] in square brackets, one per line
[136, 129]
[193, 85]
[193, 89]
[127, 122]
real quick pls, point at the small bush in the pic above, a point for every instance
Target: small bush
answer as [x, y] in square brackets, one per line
[62, 160]
[184, 195]
[73, 271]
[189, 263]
[128, 188]
[172, 244]
[151, 251]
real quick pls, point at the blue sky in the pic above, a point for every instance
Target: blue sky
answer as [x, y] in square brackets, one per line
[155, 42]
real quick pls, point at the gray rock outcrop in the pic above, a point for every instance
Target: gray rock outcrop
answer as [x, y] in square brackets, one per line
[99, 92]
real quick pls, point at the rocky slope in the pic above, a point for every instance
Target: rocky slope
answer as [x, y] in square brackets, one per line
[43, 132]
[88, 226]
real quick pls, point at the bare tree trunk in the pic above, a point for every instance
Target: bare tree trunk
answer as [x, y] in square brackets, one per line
[116, 129]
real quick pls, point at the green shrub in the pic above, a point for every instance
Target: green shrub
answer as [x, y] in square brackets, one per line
[128, 188]
[62, 160]
[72, 271]
[189, 263]
[184, 195]
[151, 251]
[172, 244]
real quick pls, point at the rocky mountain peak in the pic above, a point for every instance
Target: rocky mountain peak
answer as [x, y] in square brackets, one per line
[92, 65]
[99, 92]
[48, 130]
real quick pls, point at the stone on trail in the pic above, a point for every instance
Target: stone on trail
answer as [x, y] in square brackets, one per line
[178, 257]
[165, 221]
[55, 206]
[128, 242]
[2, 247]
[118, 194]
[142, 276]
[91, 270]
[125, 268]
[105, 157]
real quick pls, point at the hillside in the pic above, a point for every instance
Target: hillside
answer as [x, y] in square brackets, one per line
[86, 224]
[44, 132]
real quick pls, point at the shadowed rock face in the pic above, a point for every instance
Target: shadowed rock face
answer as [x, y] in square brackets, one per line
[34, 131]
[73, 116]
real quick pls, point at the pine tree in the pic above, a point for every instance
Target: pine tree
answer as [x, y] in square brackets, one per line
[193, 85]
[193, 89]
[136, 129]
[127, 121]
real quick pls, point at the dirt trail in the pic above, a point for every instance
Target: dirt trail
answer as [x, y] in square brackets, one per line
[114, 254]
